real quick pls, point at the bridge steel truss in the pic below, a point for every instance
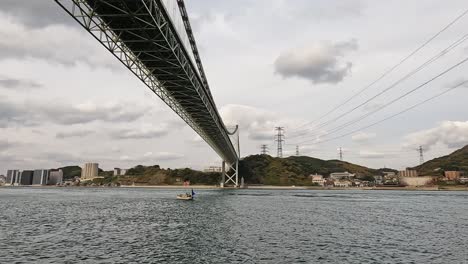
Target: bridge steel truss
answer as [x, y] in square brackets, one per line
[141, 35]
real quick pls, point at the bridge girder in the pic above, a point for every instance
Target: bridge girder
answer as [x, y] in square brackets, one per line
[140, 34]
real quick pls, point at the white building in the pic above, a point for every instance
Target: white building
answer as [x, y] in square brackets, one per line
[417, 181]
[341, 175]
[119, 171]
[213, 169]
[378, 179]
[318, 179]
[89, 171]
[342, 183]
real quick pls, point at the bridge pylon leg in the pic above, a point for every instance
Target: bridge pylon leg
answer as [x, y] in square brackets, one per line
[230, 176]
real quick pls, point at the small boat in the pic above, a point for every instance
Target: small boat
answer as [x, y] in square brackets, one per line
[186, 196]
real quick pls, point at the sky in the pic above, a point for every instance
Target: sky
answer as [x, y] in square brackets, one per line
[65, 100]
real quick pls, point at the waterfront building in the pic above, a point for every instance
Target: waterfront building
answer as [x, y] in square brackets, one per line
[342, 184]
[40, 177]
[2, 179]
[317, 179]
[452, 175]
[389, 174]
[463, 179]
[408, 173]
[55, 177]
[341, 175]
[417, 181]
[12, 177]
[379, 179]
[89, 171]
[213, 169]
[26, 177]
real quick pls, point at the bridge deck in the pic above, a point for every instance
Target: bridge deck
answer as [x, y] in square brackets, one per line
[144, 29]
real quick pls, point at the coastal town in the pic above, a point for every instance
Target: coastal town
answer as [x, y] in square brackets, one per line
[91, 175]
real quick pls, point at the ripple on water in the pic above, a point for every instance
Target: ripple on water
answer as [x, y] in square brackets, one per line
[58, 225]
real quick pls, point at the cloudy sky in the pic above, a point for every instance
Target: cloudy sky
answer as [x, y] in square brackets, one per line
[65, 100]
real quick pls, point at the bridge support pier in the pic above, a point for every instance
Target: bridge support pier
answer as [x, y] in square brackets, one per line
[231, 175]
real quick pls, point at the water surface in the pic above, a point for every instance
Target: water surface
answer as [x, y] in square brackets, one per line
[125, 225]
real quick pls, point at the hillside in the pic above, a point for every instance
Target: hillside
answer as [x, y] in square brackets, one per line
[264, 169]
[457, 160]
[255, 169]
[69, 172]
[154, 175]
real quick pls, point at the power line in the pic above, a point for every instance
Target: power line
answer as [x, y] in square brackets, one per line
[422, 66]
[341, 153]
[388, 71]
[394, 115]
[297, 150]
[394, 100]
[279, 139]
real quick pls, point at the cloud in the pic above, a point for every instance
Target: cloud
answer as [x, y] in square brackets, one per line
[15, 84]
[363, 137]
[33, 113]
[258, 123]
[35, 14]
[60, 157]
[163, 156]
[453, 134]
[54, 43]
[6, 144]
[13, 114]
[8, 158]
[90, 111]
[141, 133]
[372, 154]
[70, 134]
[152, 157]
[319, 63]
[457, 82]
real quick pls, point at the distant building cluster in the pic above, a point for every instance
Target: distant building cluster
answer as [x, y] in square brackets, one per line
[213, 169]
[339, 179]
[34, 177]
[408, 173]
[42, 177]
[408, 177]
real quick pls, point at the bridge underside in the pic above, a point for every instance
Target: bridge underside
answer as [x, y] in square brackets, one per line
[141, 35]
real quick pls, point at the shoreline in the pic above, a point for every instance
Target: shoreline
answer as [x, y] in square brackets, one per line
[267, 187]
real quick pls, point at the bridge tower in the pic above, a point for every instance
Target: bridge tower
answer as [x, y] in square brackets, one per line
[230, 173]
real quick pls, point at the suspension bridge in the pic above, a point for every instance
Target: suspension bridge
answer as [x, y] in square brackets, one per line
[154, 40]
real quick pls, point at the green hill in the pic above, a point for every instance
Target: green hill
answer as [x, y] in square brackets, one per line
[457, 160]
[264, 169]
[70, 172]
[154, 175]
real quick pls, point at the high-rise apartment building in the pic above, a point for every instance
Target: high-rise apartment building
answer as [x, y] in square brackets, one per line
[55, 177]
[89, 171]
[12, 177]
[40, 177]
[26, 177]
